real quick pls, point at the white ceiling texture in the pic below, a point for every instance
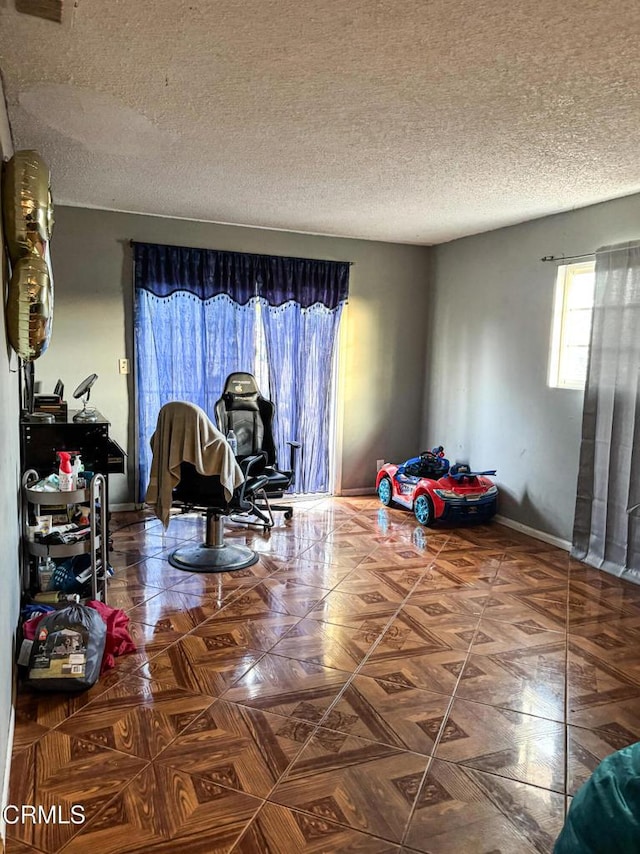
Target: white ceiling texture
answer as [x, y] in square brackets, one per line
[415, 121]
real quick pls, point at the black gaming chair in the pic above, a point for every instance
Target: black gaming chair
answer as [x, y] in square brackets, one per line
[245, 411]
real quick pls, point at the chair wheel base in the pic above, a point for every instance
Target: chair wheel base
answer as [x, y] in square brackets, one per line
[203, 558]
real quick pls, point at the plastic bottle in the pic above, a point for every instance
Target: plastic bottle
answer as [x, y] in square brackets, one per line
[78, 468]
[65, 472]
[46, 568]
[233, 441]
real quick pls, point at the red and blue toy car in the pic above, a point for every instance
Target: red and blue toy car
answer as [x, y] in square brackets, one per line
[434, 490]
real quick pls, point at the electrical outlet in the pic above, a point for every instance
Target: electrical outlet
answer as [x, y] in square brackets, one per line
[379, 464]
[123, 366]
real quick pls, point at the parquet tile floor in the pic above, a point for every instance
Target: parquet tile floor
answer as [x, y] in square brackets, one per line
[368, 686]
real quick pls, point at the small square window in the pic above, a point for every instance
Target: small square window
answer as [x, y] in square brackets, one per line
[571, 329]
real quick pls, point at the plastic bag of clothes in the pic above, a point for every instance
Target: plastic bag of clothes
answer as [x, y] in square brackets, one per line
[67, 650]
[604, 816]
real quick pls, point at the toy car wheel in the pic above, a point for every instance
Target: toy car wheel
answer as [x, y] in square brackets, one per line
[385, 491]
[423, 510]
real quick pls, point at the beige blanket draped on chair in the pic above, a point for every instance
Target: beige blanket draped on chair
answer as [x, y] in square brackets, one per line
[184, 434]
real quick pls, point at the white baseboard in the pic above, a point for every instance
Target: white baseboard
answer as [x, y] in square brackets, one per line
[7, 772]
[533, 532]
[362, 490]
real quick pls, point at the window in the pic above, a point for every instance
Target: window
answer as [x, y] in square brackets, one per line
[571, 325]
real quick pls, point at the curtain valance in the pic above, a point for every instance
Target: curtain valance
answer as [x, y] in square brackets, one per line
[206, 273]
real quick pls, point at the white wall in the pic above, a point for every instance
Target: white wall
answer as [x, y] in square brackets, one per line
[385, 348]
[486, 397]
[9, 491]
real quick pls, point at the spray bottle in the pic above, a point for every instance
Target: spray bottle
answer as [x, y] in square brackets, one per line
[65, 472]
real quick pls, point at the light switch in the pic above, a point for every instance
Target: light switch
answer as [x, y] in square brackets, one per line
[123, 366]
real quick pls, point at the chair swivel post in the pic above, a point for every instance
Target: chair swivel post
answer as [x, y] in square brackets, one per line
[214, 538]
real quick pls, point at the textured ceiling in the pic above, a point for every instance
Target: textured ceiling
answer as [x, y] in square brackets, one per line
[414, 121]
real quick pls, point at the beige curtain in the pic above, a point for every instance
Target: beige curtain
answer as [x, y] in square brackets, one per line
[607, 521]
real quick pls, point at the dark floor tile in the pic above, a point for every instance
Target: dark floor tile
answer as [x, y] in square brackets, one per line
[505, 743]
[184, 610]
[587, 748]
[496, 636]
[597, 683]
[616, 640]
[341, 647]
[469, 568]
[12, 846]
[436, 671]
[61, 771]
[221, 586]
[368, 786]
[38, 712]
[148, 540]
[289, 687]
[501, 538]
[288, 597]
[412, 632]
[389, 555]
[441, 606]
[530, 681]
[285, 831]
[149, 641]
[323, 552]
[616, 716]
[182, 813]
[545, 608]
[434, 581]
[393, 585]
[125, 521]
[313, 573]
[459, 809]
[405, 718]
[137, 716]
[128, 594]
[238, 747]
[589, 609]
[529, 572]
[153, 571]
[350, 609]
[261, 631]
[198, 664]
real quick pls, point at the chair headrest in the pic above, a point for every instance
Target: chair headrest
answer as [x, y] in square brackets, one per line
[240, 402]
[241, 383]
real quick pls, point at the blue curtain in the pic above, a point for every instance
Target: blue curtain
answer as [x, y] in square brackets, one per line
[300, 350]
[196, 321]
[185, 348]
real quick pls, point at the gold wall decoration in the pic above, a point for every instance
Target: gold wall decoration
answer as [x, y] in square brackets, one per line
[27, 211]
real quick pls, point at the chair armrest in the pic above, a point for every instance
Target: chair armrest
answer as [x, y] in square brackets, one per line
[294, 446]
[248, 490]
[252, 465]
[248, 464]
